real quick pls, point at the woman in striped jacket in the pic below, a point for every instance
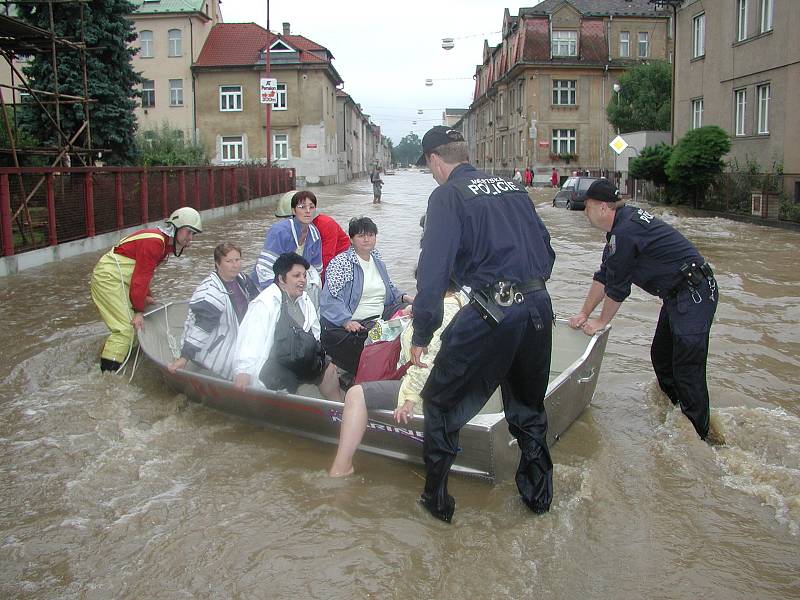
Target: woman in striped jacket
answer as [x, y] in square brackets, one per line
[216, 308]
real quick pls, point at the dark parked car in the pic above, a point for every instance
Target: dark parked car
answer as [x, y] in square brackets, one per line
[572, 194]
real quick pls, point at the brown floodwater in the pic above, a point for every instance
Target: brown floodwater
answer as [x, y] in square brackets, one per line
[111, 489]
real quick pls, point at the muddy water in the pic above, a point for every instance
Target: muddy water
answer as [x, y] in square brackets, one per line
[110, 489]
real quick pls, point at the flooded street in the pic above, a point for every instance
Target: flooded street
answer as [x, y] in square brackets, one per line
[110, 489]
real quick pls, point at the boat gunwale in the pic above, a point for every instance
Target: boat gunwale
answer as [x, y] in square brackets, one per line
[485, 421]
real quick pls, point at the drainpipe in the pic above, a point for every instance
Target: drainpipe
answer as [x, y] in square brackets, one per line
[605, 83]
[194, 97]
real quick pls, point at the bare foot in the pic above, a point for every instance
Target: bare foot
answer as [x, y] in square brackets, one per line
[716, 433]
[347, 473]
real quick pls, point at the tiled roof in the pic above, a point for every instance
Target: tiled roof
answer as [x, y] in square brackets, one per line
[168, 6]
[239, 44]
[618, 8]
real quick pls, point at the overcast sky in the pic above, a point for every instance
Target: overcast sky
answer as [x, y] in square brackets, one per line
[384, 51]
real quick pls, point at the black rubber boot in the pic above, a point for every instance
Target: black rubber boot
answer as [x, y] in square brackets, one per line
[535, 478]
[106, 364]
[443, 509]
[435, 497]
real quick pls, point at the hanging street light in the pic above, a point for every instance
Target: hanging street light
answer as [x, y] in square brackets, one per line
[675, 5]
[448, 43]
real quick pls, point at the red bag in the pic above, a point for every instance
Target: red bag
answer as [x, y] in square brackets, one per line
[378, 362]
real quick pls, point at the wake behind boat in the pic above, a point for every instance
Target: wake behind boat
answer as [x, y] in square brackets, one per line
[488, 450]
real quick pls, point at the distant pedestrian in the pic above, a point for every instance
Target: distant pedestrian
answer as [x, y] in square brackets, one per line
[377, 183]
[517, 176]
[528, 177]
[554, 178]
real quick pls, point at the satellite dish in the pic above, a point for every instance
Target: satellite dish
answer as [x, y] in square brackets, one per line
[448, 43]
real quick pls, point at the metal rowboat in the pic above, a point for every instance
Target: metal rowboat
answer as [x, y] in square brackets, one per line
[488, 450]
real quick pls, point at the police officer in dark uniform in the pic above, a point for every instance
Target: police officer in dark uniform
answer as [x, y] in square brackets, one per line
[645, 251]
[483, 232]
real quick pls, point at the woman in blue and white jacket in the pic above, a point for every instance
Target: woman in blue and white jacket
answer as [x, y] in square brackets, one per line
[296, 234]
[216, 309]
[357, 291]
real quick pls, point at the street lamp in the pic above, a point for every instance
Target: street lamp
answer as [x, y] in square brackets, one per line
[617, 87]
[675, 4]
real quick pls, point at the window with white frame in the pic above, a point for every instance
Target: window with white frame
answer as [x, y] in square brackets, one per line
[741, 20]
[232, 148]
[146, 44]
[644, 44]
[699, 35]
[564, 92]
[624, 44]
[762, 92]
[176, 92]
[523, 144]
[280, 98]
[500, 105]
[230, 97]
[564, 141]
[740, 103]
[766, 15]
[697, 113]
[174, 42]
[280, 146]
[565, 43]
[148, 93]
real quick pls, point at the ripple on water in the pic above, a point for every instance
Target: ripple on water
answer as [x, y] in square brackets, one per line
[761, 458]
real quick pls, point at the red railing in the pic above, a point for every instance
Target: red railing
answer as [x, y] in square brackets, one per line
[71, 204]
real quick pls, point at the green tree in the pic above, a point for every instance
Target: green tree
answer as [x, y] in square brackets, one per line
[166, 147]
[696, 160]
[111, 78]
[643, 102]
[408, 150]
[22, 141]
[651, 164]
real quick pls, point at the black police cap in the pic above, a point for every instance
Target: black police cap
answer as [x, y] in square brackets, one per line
[435, 137]
[603, 190]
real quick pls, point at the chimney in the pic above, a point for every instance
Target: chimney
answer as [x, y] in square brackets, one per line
[286, 30]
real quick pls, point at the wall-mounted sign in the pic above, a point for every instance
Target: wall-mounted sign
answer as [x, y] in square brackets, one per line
[543, 143]
[312, 146]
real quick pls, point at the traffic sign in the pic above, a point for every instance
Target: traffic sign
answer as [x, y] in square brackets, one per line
[269, 91]
[618, 144]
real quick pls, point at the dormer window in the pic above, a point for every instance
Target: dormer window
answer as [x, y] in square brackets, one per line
[280, 46]
[565, 43]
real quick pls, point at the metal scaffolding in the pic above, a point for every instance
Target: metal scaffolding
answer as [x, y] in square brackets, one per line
[19, 40]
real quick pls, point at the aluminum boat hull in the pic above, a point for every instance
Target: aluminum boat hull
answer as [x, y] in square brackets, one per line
[488, 450]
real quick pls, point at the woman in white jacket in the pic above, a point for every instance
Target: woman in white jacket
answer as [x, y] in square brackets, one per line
[255, 342]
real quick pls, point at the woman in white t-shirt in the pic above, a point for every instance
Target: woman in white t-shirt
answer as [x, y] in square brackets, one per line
[357, 291]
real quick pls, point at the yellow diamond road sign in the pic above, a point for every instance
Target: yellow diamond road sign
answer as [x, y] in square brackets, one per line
[618, 144]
